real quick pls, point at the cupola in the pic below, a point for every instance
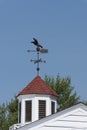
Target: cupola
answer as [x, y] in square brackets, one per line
[37, 100]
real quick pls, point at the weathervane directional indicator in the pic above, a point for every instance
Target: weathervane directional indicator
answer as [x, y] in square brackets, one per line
[39, 49]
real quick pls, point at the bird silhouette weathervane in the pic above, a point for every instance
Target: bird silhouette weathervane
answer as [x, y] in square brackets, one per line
[39, 49]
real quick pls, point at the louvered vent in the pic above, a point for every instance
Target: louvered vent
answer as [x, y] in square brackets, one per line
[42, 109]
[52, 107]
[28, 110]
[19, 112]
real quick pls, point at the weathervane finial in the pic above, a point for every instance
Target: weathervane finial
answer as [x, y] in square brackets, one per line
[39, 48]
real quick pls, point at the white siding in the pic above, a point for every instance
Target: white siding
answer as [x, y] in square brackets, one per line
[35, 108]
[74, 118]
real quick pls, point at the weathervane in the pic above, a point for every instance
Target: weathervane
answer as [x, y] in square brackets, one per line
[39, 49]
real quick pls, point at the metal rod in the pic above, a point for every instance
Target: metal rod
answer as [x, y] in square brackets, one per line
[38, 63]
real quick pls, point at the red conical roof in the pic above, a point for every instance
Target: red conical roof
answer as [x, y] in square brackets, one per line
[38, 86]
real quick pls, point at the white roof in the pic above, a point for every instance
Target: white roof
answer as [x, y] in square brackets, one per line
[73, 118]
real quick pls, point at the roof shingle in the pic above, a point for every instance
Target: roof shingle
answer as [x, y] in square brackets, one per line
[38, 86]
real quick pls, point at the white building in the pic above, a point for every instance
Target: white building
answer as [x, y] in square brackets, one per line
[37, 100]
[37, 110]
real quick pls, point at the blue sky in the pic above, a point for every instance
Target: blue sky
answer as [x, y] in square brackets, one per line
[59, 25]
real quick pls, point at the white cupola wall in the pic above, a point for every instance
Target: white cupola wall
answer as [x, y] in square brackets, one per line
[37, 100]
